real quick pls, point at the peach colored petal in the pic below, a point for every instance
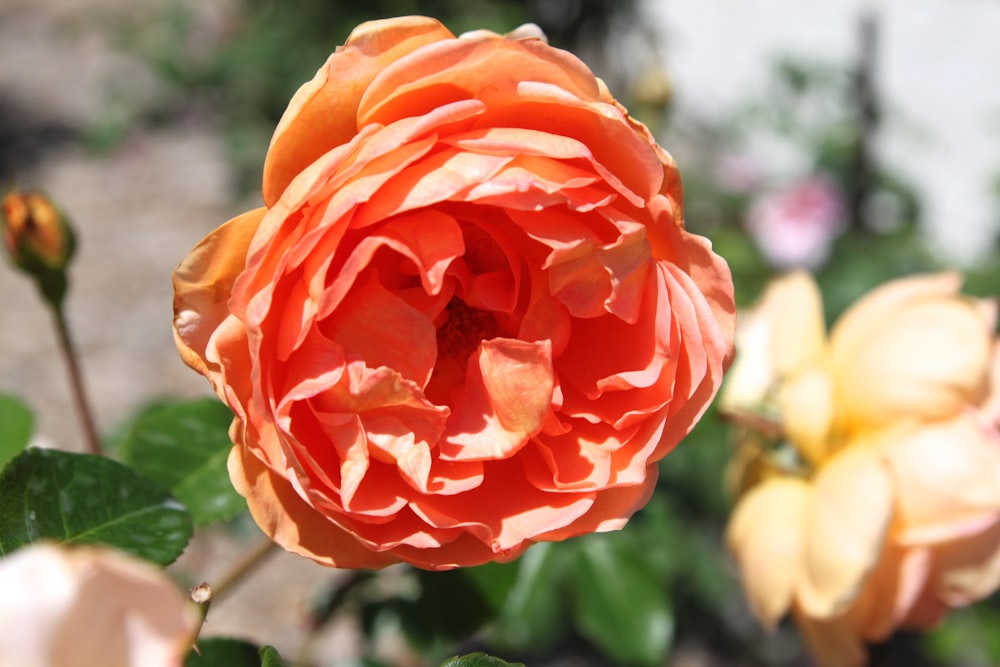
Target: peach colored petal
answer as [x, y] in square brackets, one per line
[85, 606]
[806, 405]
[833, 643]
[926, 359]
[968, 569]
[855, 326]
[508, 394]
[892, 591]
[990, 405]
[846, 525]
[323, 113]
[291, 522]
[203, 282]
[765, 536]
[794, 307]
[947, 479]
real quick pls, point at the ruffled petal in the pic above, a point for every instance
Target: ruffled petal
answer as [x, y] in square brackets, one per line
[508, 394]
[203, 282]
[294, 524]
[323, 113]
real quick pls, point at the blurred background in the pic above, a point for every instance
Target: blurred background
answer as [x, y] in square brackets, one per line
[860, 140]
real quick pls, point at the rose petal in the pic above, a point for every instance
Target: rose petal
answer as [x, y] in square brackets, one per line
[968, 569]
[926, 359]
[203, 282]
[795, 307]
[845, 528]
[323, 113]
[806, 405]
[766, 535]
[947, 479]
[507, 396]
[291, 522]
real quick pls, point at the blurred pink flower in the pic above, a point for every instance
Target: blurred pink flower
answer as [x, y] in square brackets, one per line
[882, 508]
[795, 227]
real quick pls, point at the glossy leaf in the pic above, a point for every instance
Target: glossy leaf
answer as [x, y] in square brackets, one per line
[534, 616]
[619, 603]
[478, 660]
[184, 447]
[269, 657]
[225, 652]
[16, 424]
[82, 498]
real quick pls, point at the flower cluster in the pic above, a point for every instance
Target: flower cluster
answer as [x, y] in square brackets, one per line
[468, 317]
[880, 509]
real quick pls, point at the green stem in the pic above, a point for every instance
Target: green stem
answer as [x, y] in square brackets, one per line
[243, 567]
[76, 381]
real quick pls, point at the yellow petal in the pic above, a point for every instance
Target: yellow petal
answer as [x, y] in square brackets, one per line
[846, 525]
[806, 405]
[796, 309]
[765, 535]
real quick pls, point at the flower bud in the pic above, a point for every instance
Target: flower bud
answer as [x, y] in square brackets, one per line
[38, 240]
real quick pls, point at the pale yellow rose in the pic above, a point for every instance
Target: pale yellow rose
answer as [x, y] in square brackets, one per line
[87, 606]
[890, 515]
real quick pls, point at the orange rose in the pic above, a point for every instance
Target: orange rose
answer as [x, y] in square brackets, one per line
[468, 317]
[86, 606]
[882, 510]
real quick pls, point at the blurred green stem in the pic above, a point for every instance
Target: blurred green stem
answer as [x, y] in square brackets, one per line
[76, 380]
[243, 567]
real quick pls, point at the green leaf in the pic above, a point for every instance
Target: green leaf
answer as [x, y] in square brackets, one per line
[269, 657]
[533, 616]
[184, 447]
[478, 660]
[620, 605]
[16, 424]
[225, 652]
[82, 498]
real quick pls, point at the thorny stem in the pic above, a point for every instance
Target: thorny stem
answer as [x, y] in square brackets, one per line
[243, 567]
[201, 598]
[76, 381]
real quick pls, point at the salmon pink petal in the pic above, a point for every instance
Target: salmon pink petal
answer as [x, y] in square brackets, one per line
[611, 510]
[505, 510]
[323, 113]
[291, 522]
[507, 396]
[203, 282]
[947, 478]
[766, 535]
[468, 68]
[383, 330]
[846, 525]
